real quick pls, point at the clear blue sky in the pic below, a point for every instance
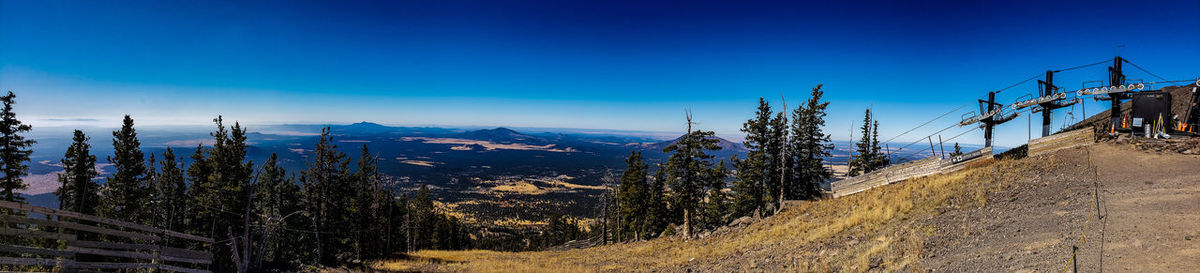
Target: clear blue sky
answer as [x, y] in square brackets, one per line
[581, 64]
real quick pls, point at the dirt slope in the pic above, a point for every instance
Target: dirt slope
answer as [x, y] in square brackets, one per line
[1149, 217]
[999, 216]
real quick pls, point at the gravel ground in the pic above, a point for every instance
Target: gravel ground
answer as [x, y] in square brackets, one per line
[1148, 218]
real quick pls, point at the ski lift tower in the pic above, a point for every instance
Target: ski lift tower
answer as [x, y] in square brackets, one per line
[1050, 99]
[989, 117]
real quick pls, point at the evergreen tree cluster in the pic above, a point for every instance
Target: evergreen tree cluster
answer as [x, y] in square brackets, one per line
[261, 219]
[870, 156]
[786, 160]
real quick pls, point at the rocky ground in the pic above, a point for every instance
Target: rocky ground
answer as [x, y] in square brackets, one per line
[1124, 208]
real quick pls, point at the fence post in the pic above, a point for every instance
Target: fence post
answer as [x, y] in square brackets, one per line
[1074, 262]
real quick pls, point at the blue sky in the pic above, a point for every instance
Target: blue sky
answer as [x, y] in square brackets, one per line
[633, 65]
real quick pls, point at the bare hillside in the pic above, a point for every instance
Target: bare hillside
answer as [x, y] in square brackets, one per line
[1125, 209]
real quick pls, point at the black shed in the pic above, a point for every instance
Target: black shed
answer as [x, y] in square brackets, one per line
[1148, 107]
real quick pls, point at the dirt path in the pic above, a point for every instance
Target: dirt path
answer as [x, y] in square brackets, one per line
[1150, 205]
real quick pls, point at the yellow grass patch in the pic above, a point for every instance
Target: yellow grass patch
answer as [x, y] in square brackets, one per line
[423, 163]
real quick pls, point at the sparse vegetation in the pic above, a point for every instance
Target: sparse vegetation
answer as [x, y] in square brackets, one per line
[854, 233]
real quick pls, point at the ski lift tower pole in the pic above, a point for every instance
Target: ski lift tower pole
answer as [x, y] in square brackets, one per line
[988, 123]
[1047, 88]
[989, 117]
[1116, 78]
[1051, 100]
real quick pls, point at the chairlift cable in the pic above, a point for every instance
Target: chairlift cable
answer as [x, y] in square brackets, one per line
[928, 122]
[910, 156]
[1082, 66]
[1035, 76]
[1144, 70]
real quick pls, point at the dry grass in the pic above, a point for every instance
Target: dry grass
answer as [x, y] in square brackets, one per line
[869, 230]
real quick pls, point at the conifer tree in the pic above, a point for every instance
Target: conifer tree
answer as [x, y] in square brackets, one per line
[369, 197]
[866, 155]
[423, 218]
[656, 208]
[716, 205]
[632, 196]
[277, 204]
[171, 187]
[220, 191]
[689, 170]
[881, 157]
[124, 195]
[14, 151]
[608, 207]
[778, 161]
[324, 182]
[152, 196]
[752, 172]
[79, 191]
[810, 146]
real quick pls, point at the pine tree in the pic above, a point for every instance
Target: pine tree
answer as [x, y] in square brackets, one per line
[324, 182]
[368, 199]
[172, 190]
[752, 172]
[716, 205]
[79, 191]
[221, 192]
[14, 151]
[688, 171]
[777, 162]
[153, 197]
[423, 219]
[880, 156]
[124, 194]
[656, 207]
[277, 204]
[810, 146]
[608, 207]
[632, 197]
[866, 155]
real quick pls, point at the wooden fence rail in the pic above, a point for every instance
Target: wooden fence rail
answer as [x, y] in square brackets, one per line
[130, 245]
[907, 170]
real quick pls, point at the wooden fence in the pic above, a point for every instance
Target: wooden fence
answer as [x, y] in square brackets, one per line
[1061, 141]
[907, 170]
[130, 246]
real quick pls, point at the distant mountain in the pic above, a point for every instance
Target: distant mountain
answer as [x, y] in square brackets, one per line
[502, 135]
[726, 145]
[367, 127]
[356, 129]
